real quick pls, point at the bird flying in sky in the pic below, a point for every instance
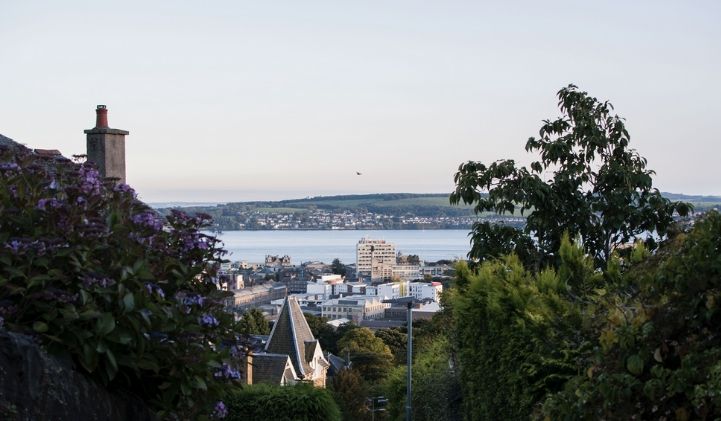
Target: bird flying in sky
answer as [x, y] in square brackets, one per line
[358, 173]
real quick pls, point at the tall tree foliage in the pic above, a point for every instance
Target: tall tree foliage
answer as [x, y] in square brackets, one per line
[253, 322]
[656, 337]
[350, 392]
[436, 386]
[587, 181]
[337, 267]
[397, 341]
[518, 333]
[369, 354]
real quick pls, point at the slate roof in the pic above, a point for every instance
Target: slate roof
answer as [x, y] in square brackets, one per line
[48, 158]
[289, 336]
[271, 368]
[336, 364]
[6, 141]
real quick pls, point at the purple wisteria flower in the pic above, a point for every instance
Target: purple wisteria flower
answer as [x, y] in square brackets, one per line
[15, 246]
[191, 300]
[9, 166]
[195, 241]
[150, 287]
[89, 180]
[2, 321]
[53, 185]
[227, 372]
[220, 410]
[148, 219]
[208, 320]
[234, 351]
[124, 188]
[44, 204]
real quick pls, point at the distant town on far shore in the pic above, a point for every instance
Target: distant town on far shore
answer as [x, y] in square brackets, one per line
[365, 212]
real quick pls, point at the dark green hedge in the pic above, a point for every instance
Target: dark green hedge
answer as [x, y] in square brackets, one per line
[278, 403]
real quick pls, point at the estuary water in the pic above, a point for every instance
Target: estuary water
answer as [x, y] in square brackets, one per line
[324, 246]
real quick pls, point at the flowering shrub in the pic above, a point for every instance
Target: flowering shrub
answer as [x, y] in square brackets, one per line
[99, 277]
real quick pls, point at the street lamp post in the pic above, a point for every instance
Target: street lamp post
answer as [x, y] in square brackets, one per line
[409, 386]
[409, 302]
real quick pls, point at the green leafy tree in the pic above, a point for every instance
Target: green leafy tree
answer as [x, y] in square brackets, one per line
[369, 355]
[436, 385]
[350, 392]
[326, 334]
[397, 341]
[337, 267]
[518, 333]
[253, 322]
[655, 350]
[587, 181]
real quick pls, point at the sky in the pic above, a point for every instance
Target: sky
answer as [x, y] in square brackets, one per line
[266, 100]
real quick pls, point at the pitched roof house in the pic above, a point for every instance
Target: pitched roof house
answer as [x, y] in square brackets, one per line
[270, 368]
[291, 340]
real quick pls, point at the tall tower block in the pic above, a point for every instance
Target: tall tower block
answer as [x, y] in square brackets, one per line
[106, 146]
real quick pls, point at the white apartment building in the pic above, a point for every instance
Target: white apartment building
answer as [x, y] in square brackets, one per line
[354, 308]
[388, 290]
[434, 270]
[327, 285]
[407, 272]
[355, 288]
[423, 290]
[375, 258]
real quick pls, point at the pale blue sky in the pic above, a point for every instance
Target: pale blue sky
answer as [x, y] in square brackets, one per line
[234, 100]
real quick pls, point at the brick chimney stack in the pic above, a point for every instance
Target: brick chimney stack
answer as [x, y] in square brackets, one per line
[106, 146]
[101, 116]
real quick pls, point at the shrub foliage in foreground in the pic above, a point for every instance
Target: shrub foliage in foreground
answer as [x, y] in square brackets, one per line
[657, 338]
[641, 340]
[99, 277]
[282, 403]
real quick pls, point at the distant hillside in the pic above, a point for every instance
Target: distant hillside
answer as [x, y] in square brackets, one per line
[397, 203]
[700, 203]
[368, 211]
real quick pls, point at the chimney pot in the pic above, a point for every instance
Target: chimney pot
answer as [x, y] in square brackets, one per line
[101, 120]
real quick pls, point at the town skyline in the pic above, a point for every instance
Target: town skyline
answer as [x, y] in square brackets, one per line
[237, 102]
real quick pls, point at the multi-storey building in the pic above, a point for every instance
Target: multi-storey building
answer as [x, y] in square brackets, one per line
[353, 308]
[327, 285]
[375, 258]
[407, 272]
[277, 261]
[423, 290]
[246, 298]
[388, 290]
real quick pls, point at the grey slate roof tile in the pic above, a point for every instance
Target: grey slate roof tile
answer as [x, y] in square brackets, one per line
[289, 336]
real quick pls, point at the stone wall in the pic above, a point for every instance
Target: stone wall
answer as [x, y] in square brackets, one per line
[37, 386]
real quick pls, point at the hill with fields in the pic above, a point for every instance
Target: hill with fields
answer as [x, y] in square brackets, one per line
[369, 211]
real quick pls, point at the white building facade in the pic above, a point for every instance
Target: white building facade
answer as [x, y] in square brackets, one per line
[388, 290]
[424, 290]
[327, 285]
[407, 272]
[375, 258]
[354, 308]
